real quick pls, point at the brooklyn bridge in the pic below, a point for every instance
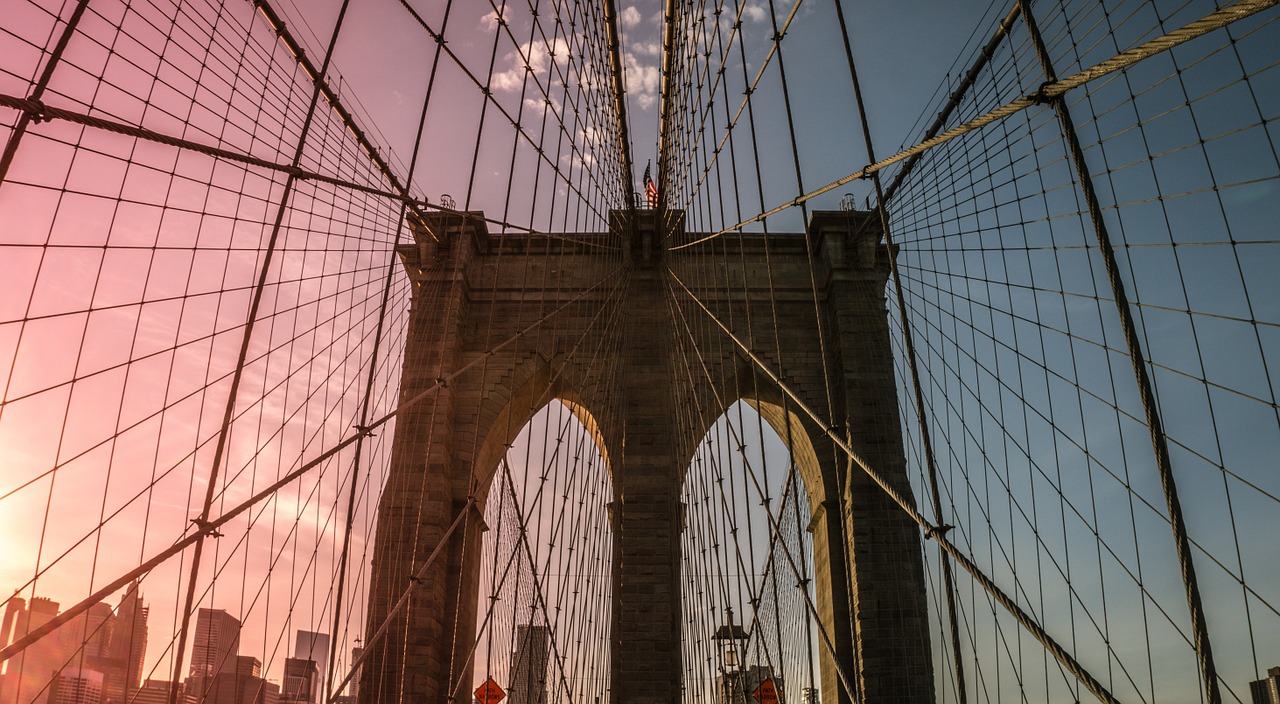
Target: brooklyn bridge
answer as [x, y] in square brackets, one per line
[600, 352]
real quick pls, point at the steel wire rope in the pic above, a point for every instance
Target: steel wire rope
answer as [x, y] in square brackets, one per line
[233, 394]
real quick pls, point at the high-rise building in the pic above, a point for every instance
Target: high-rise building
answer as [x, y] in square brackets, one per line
[353, 689]
[529, 665]
[157, 692]
[248, 665]
[231, 688]
[30, 674]
[88, 641]
[13, 611]
[129, 642]
[300, 678]
[109, 643]
[217, 643]
[78, 686]
[309, 645]
[16, 606]
[1267, 689]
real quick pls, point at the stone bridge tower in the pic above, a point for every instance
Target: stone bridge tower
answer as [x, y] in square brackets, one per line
[469, 295]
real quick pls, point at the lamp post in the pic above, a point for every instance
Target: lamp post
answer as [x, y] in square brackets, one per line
[733, 639]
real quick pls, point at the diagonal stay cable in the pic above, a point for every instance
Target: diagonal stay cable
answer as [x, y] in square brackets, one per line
[1048, 91]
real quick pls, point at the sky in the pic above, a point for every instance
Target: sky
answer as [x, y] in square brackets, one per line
[130, 268]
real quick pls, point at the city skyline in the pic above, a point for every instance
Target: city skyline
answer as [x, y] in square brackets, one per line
[112, 655]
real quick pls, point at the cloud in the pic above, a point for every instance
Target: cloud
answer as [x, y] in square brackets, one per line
[754, 12]
[540, 56]
[630, 17]
[648, 49]
[489, 22]
[642, 81]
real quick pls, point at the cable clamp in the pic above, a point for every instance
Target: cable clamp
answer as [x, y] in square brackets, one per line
[936, 531]
[39, 113]
[206, 527]
[1041, 97]
[365, 430]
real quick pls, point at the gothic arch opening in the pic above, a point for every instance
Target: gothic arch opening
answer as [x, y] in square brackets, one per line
[545, 559]
[757, 568]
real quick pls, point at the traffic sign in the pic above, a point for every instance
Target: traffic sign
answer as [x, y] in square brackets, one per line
[490, 692]
[767, 692]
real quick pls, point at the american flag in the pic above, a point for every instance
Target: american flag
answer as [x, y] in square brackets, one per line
[650, 188]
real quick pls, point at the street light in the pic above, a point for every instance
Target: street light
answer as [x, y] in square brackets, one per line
[733, 633]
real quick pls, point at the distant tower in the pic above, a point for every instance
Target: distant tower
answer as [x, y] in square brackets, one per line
[529, 665]
[17, 605]
[14, 613]
[353, 689]
[129, 641]
[31, 672]
[309, 645]
[79, 686]
[88, 641]
[217, 643]
[1267, 689]
[300, 677]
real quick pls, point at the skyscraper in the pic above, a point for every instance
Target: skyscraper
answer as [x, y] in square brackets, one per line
[529, 665]
[353, 689]
[31, 672]
[309, 645]
[78, 686]
[217, 643]
[13, 611]
[129, 639]
[300, 677]
[1267, 689]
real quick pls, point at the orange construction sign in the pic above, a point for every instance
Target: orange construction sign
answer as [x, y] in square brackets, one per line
[767, 692]
[490, 692]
